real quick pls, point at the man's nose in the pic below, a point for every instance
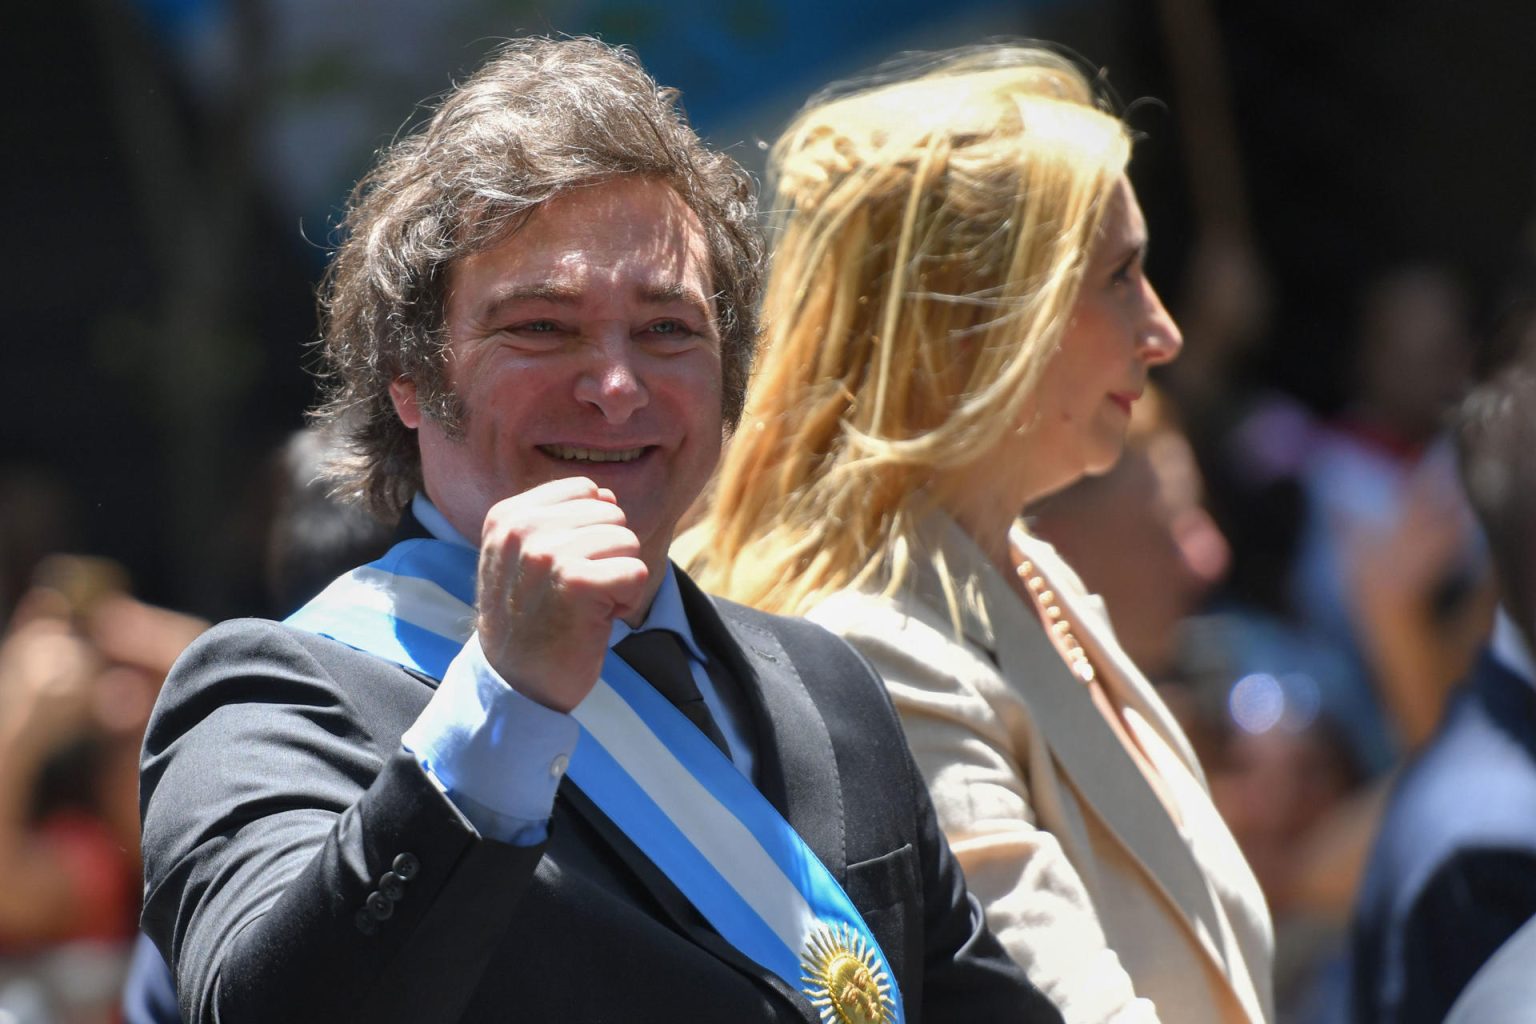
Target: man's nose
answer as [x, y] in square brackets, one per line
[611, 382]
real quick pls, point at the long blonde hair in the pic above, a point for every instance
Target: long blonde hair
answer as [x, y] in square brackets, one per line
[932, 234]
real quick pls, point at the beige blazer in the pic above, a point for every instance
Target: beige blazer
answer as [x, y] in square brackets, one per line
[1115, 910]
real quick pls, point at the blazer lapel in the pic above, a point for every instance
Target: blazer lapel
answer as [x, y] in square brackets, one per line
[1117, 673]
[1089, 754]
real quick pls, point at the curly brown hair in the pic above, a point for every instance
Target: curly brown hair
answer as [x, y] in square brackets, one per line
[541, 117]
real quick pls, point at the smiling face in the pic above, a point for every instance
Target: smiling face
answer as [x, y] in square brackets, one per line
[1118, 331]
[582, 344]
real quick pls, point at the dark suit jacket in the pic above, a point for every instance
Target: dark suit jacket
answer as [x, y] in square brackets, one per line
[1453, 873]
[1503, 991]
[276, 794]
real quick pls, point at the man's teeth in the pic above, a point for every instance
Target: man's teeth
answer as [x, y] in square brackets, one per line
[565, 451]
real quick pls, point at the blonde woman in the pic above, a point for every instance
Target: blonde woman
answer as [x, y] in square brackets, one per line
[957, 324]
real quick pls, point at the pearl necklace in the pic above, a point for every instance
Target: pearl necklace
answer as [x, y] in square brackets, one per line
[1056, 621]
[1079, 665]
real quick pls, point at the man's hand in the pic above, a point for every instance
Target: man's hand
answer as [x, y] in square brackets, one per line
[557, 565]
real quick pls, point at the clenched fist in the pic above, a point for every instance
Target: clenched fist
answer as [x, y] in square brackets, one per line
[558, 564]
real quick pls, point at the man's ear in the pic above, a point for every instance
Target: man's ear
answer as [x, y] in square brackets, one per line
[402, 392]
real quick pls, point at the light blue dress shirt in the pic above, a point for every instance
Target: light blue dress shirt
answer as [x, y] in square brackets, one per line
[499, 756]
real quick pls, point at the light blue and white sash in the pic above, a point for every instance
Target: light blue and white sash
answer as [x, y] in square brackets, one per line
[660, 780]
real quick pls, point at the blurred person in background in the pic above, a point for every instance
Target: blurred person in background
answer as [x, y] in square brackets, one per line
[1504, 989]
[38, 516]
[313, 536]
[1453, 872]
[1270, 696]
[1390, 568]
[1290, 790]
[80, 664]
[957, 323]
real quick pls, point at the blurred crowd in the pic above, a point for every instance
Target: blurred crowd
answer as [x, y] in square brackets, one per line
[81, 662]
[80, 665]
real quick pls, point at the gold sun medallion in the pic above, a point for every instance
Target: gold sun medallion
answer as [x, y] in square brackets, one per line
[844, 979]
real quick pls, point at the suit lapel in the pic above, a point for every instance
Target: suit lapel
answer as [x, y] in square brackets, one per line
[793, 753]
[679, 911]
[796, 766]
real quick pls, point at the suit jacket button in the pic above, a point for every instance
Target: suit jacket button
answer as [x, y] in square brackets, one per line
[380, 906]
[365, 923]
[406, 866]
[392, 886]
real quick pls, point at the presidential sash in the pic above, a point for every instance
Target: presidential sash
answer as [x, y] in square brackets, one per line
[659, 779]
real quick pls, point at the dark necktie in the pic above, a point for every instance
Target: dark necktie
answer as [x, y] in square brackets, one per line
[658, 655]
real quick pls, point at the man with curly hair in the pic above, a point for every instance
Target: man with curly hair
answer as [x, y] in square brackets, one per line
[521, 767]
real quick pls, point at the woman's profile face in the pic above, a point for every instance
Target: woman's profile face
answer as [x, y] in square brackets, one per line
[1118, 331]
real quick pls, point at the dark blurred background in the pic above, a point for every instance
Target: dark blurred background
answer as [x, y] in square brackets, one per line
[176, 167]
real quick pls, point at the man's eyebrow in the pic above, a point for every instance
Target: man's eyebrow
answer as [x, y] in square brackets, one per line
[661, 294]
[546, 291]
[499, 303]
[703, 306]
